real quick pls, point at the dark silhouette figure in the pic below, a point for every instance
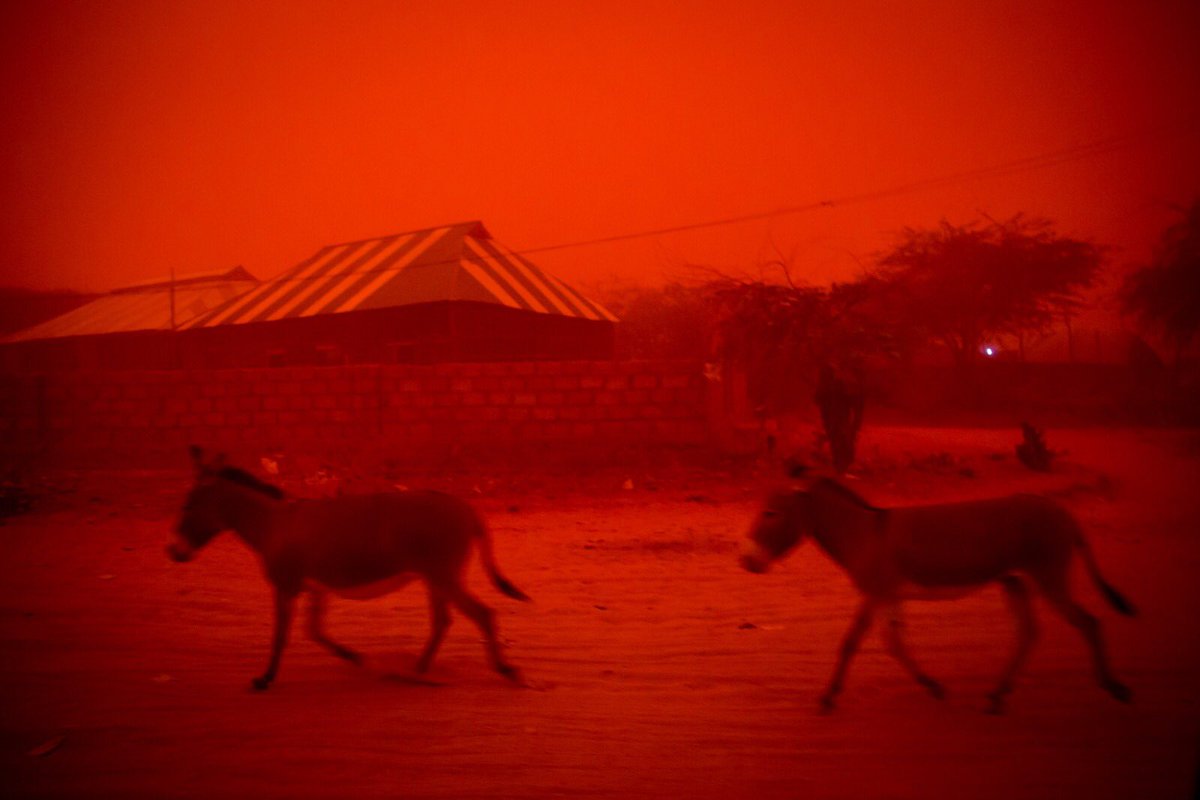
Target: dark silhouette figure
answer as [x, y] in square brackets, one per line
[840, 402]
[1033, 452]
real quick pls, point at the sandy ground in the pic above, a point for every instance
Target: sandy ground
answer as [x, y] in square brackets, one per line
[656, 667]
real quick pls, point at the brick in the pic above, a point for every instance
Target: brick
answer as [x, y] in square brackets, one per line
[175, 405]
[486, 384]
[645, 381]
[580, 398]
[583, 430]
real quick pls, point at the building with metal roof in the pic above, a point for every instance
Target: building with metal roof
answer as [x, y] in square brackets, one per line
[451, 293]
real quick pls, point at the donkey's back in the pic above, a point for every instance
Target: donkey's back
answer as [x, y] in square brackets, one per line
[359, 539]
[968, 543]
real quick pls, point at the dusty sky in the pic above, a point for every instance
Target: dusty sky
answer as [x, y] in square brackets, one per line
[141, 136]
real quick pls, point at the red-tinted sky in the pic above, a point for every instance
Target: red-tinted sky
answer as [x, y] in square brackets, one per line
[137, 137]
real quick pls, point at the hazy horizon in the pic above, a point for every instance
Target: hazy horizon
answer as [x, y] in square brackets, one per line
[149, 137]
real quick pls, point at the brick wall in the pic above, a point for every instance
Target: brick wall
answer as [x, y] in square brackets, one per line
[492, 404]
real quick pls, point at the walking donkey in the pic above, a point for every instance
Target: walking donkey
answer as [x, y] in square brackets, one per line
[359, 547]
[936, 552]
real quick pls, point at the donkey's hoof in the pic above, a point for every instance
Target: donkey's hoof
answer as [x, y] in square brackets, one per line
[996, 705]
[1121, 692]
[260, 683]
[936, 689]
[826, 705]
[510, 672]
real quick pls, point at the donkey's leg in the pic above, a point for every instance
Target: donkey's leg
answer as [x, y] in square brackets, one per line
[318, 603]
[439, 613]
[1054, 586]
[285, 604]
[895, 645]
[1017, 594]
[862, 621]
[484, 617]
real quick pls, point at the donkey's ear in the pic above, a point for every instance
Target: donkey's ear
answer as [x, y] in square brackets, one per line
[197, 454]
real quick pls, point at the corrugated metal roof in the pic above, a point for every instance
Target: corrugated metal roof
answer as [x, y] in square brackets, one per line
[144, 308]
[454, 262]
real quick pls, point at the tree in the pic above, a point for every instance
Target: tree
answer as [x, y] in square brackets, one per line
[1165, 295]
[790, 338]
[668, 321]
[960, 285]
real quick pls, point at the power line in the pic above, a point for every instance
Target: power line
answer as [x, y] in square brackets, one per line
[1027, 164]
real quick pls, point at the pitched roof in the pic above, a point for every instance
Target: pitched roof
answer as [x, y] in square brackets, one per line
[145, 307]
[453, 262]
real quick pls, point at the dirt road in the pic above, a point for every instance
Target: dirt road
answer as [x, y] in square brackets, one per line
[657, 668]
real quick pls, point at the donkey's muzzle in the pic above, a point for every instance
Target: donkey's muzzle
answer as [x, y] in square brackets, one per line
[751, 562]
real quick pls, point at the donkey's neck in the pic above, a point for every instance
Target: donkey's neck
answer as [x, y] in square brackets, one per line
[248, 512]
[842, 527]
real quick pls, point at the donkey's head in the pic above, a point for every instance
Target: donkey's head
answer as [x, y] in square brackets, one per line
[784, 519]
[778, 528]
[201, 518]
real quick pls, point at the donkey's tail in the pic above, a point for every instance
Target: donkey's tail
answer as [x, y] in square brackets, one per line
[488, 557]
[1115, 598]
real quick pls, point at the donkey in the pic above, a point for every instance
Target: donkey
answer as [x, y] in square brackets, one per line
[360, 547]
[937, 552]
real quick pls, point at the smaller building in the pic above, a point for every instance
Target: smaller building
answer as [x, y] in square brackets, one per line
[129, 328]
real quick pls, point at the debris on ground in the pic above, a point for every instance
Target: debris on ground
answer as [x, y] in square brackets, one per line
[47, 747]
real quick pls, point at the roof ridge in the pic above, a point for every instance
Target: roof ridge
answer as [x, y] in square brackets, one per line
[476, 226]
